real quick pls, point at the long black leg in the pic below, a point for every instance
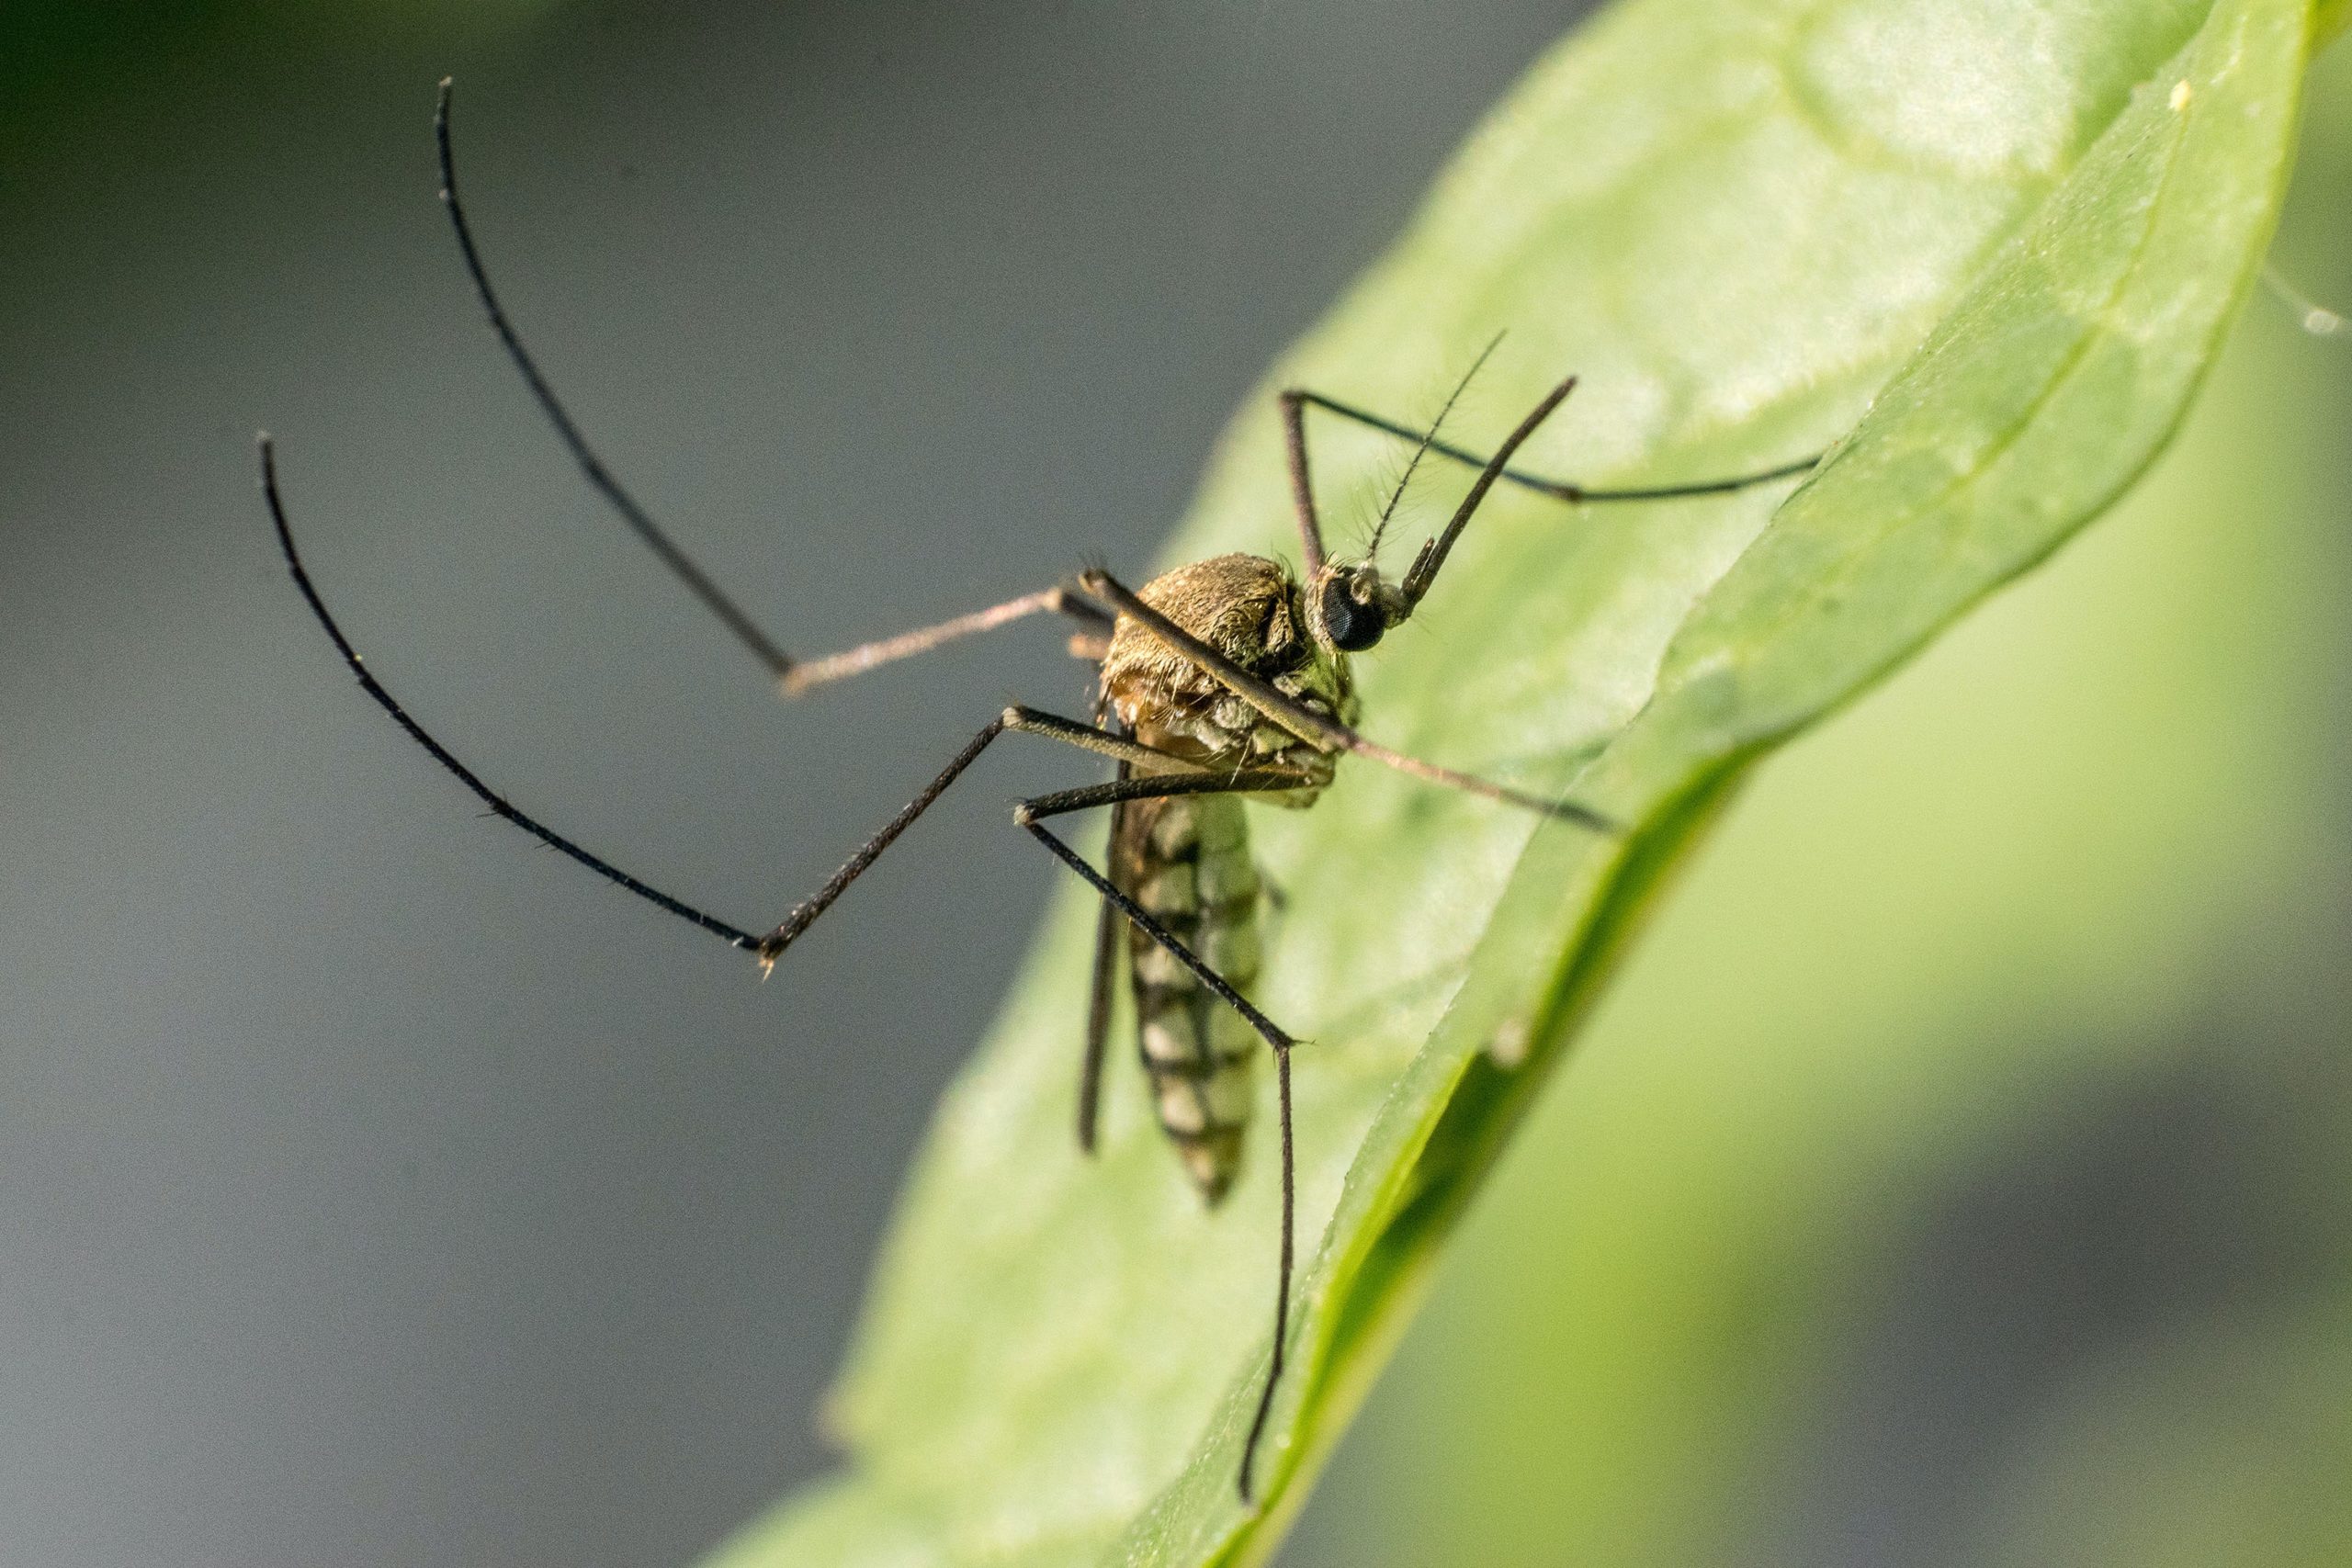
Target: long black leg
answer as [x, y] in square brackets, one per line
[1102, 994]
[1016, 718]
[439, 753]
[1022, 719]
[794, 676]
[682, 565]
[1099, 1002]
[1028, 814]
[1558, 488]
[1282, 1273]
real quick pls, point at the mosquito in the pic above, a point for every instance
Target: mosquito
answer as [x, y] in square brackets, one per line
[1222, 682]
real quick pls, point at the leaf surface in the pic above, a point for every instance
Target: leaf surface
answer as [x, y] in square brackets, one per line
[1987, 248]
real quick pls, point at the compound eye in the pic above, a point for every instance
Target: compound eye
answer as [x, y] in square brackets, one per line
[1353, 626]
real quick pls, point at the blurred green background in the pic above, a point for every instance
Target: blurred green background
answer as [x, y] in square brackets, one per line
[1956, 1175]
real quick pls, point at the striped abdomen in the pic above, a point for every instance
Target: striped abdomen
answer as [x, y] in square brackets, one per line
[1186, 860]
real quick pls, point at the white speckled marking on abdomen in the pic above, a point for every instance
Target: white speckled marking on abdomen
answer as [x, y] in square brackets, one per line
[1192, 874]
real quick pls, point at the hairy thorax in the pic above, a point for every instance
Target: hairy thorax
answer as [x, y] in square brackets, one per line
[1246, 608]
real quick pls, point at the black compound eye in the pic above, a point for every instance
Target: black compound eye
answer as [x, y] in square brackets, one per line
[1352, 626]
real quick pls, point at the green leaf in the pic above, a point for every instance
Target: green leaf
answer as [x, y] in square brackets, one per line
[1988, 246]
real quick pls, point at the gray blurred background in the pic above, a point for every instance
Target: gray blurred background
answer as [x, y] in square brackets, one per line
[1957, 1174]
[381, 1189]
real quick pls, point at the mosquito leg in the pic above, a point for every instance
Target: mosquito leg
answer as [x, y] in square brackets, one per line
[640, 522]
[1099, 1002]
[1022, 720]
[1085, 797]
[497, 803]
[1124, 748]
[1106, 953]
[1028, 814]
[1319, 729]
[865, 656]
[1282, 1273]
[795, 676]
[1558, 488]
[1101, 994]
[1302, 489]
[1026, 720]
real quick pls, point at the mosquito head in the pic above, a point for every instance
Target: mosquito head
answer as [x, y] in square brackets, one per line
[1350, 606]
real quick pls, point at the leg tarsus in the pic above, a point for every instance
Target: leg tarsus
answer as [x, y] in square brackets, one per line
[499, 805]
[1265, 1410]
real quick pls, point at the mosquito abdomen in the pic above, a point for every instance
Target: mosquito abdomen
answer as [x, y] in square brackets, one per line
[1192, 872]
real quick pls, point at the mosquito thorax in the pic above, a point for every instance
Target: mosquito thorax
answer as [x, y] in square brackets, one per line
[1252, 611]
[1349, 607]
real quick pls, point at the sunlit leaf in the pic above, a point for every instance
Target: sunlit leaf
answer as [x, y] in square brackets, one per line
[1988, 247]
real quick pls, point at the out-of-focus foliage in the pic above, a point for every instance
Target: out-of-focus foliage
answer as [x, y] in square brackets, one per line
[1738, 221]
[73, 46]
